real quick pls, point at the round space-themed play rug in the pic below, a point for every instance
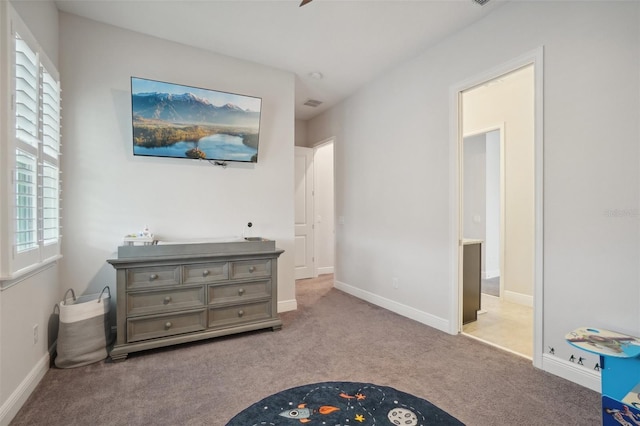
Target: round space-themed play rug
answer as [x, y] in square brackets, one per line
[343, 404]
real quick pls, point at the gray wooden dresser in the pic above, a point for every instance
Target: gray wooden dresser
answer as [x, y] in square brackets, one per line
[177, 293]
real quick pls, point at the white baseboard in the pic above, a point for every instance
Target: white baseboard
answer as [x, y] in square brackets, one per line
[16, 400]
[491, 274]
[302, 274]
[567, 370]
[393, 306]
[571, 371]
[325, 270]
[287, 305]
[519, 298]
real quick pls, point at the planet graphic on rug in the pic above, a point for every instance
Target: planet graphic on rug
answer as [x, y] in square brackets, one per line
[343, 404]
[402, 416]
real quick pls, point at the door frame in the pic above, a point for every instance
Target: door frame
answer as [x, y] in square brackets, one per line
[535, 58]
[316, 183]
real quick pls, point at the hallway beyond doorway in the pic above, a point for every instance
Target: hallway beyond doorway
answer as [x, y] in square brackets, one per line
[490, 286]
[504, 324]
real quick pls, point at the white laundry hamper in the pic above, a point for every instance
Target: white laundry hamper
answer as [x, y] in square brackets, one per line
[84, 329]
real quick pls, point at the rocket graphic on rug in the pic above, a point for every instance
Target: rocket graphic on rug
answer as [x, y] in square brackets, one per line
[303, 414]
[344, 403]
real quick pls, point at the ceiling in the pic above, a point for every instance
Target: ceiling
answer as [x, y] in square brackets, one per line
[350, 42]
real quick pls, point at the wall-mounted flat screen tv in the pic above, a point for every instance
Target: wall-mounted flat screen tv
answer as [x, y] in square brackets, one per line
[172, 120]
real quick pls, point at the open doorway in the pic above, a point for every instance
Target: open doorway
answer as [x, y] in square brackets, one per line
[498, 209]
[314, 210]
[501, 319]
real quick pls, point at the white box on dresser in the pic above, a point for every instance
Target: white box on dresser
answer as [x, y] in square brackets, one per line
[169, 294]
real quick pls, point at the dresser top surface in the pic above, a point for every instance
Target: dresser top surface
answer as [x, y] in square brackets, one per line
[196, 250]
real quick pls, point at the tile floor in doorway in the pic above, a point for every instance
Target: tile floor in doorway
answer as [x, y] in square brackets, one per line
[505, 324]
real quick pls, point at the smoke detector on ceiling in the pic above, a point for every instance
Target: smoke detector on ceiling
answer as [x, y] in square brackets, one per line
[312, 103]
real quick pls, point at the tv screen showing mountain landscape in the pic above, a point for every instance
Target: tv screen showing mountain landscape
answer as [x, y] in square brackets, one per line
[172, 120]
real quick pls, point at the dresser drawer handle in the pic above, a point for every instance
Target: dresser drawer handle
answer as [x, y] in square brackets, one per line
[167, 325]
[252, 269]
[205, 272]
[167, 300]
[240, 313]
[153, 277]
[241, 291]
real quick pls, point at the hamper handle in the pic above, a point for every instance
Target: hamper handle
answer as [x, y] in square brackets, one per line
[72, 294]
[106, 287]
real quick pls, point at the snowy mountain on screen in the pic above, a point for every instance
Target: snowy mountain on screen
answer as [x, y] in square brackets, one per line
[188, 108]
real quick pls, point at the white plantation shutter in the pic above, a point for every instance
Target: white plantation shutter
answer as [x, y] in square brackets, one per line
[35, 218]
[50, 115]
[26, 174]
[27, 93]
[26, 201]
[50, 203]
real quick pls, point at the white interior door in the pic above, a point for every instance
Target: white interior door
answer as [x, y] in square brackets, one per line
[304, 258]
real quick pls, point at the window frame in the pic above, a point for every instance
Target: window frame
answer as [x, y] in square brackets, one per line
[46, 249]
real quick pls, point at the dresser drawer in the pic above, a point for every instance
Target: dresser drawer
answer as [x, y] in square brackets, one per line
[246, 313]
[155, 276]
[200, 273]
[251, 268]
[221, 293]
[145, 328]
[154, 302]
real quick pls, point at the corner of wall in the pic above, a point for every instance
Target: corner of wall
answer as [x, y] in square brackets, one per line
[287, 305]
[441, 324]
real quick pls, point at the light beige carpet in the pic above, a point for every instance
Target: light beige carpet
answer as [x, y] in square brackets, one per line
[331, 337]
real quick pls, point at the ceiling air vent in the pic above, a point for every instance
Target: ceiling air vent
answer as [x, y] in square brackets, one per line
[312, 103]
[481, 2]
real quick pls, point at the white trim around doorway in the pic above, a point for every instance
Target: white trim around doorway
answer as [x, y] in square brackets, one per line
[326, 269]
[534, 58]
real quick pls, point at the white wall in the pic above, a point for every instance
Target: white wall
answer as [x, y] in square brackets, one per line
[511, 102]
[24, 362]
[392, 167]
[474, 166]
[108, 192]
[492, 239]
[29, 301]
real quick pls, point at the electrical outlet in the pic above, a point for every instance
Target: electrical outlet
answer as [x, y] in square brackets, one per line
[35, 334]
[394, 282]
